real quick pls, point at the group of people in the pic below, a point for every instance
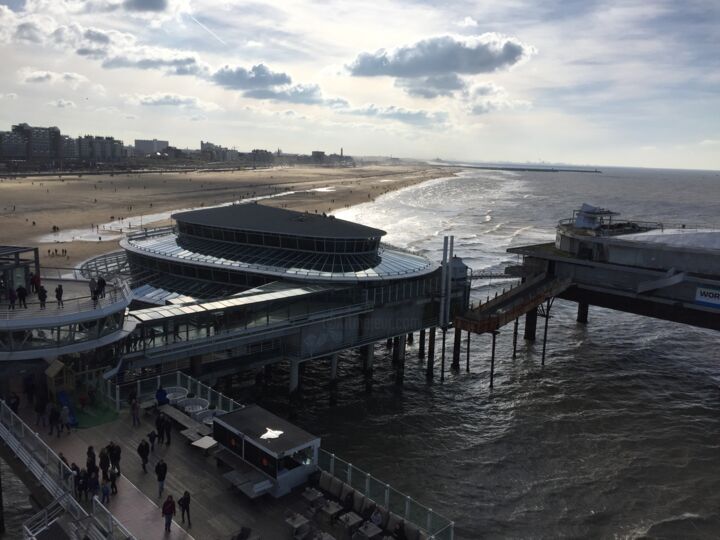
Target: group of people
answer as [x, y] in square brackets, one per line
[97, 288]
[100, 474]
[20, 294]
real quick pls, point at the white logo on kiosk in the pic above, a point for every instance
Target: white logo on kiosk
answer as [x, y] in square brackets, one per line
[271, 434]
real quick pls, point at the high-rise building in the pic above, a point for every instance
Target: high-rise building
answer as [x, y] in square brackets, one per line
[146, 146]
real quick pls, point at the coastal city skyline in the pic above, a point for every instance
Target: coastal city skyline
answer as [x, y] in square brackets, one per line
[611, 84]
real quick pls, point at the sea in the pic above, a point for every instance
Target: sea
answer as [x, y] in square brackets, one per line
[617, 436]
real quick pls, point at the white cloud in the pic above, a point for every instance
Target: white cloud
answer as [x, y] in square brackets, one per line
[10, 95]
[34, 76]
[467, 22]
[168, 99]
[63, 104]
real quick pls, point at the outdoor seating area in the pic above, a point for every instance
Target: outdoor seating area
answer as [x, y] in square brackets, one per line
[193, 431]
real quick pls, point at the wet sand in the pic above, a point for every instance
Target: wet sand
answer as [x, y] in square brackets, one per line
[31, 207]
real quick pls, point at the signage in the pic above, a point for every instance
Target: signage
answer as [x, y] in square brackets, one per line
[707, 297]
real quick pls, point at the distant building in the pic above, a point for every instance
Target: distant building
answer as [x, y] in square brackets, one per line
[95, 149]
[13, 145]
[68, 148]
[146, 146]
[318, 156]
[214, 152]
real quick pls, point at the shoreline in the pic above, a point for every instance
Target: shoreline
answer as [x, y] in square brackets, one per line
[33, 206]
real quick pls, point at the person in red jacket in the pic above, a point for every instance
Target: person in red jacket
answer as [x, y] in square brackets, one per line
[168, 511]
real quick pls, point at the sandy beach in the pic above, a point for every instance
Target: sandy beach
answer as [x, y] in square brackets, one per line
[31, 207]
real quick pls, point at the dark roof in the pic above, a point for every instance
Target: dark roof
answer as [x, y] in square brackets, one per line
[254, 421]
[260, 218]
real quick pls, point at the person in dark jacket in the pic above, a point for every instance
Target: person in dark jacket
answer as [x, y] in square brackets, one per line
[151, 437]
[12, 297]
[91, 462]
[114, 474]
[161, 473]
[184, 504]
[114, 451]
[104, 463]
[54, 418]
[22, 296]
[168, 511]
[143, 451]
[42, 296]
[160, 428]
[82, 485]
[59, 295]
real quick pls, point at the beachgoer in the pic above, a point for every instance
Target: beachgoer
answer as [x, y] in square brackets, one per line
[42, 296]
[59, 295]
[143, 451]
[184, 504]
[168, 511]
[161, 473]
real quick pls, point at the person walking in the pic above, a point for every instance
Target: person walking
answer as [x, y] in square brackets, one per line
[76, 478]
[91, 462]
[160, 427]
[83, 485]
[104, 462]
[114, 451]
[135, 411]
[143, 451]
[59, 295]
[114, 474]
[64, 420]
[42, 296]
[93, 287]
[152, 436]
[105, 492]
[12, 297]
[53, 418]
[184, 504]
[168, 511]
[101, 283]
[161, 473]
[167, 425]
[93, 485]
[22, 296]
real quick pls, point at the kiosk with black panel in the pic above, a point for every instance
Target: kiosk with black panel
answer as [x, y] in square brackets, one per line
[283, 454]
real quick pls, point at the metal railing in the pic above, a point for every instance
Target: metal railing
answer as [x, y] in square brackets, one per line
[118, 394]
[53, 474]
[404, 506]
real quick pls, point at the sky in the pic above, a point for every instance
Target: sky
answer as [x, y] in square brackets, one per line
[629, 83]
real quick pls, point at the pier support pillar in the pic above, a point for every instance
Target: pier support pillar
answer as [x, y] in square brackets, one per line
[582, 313]
[530, 324]
[442, 358]
[492, 360]
[421, 348]
[430, 372]
[400, 364]
[456, 349]
[515, 336]
[467, 353]
[389, 343]
[333, 368]
[410, 338]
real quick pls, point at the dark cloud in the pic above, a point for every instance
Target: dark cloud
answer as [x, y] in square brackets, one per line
[28, 31]
[96, 36]
[432, 87]
[418, 118]
[145, 5]
[91, 52]
[443, 55]
[257, 77]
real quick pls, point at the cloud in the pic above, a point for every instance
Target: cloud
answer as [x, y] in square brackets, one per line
[63, 104]
[414, 117]
[33, 76]
[11, 95]
[29, 31]
[432, 87]
[305, 94]
[487, 97]
[259, 76]
[467, 22]
[146, 5]
[443, 55]
[171, 62]
[166, 99]
[97, 36]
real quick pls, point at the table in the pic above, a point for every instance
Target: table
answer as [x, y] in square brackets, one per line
[206, 443]
[369, 531]
[296, 521]
[312, 495]
[330, 509]
[350, 520]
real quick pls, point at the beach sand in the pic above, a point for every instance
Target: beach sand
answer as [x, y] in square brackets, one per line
[31, 207]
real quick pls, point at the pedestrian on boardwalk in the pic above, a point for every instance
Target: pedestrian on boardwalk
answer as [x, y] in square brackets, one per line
[143, 451]
[59, 295]
[114, 474]
[22, 296]
[161, 473]
[101, 283]
[83, 485]
[184, 504]
[93, 287]
[104, 462]
[135, 411]
[76, 478]
[114, 451]
[53, 418]
[160, 427]
[32, 283]
[167, 425]
[64, 420]
[105, 491]
[12, 297]
[42, 296]
[168, 511]
[91, 462]
[93, 485]
[152, 436]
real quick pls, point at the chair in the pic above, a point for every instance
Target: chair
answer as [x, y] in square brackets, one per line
[411, 531]
[324, 483]
[336, 488]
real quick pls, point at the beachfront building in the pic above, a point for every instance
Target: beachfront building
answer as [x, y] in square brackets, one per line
[144, 147]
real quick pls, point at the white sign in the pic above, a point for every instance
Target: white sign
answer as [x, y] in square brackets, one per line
[707, 297]
[271, 434]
